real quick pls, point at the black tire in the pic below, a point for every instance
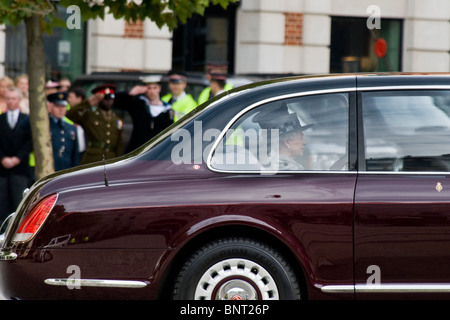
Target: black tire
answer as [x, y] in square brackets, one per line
[236, 268]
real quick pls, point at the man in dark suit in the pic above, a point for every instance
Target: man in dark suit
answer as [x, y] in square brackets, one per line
[15, 147]
[150, 115]
[64, 134]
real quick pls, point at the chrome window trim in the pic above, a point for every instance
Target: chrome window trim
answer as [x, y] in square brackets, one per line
[409, 173]
[405, 87]
[387, 288]
[257, 104]
[316, 92]
[273, 172]
[96, 283]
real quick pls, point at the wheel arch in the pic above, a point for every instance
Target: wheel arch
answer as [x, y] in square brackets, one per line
[232, 230]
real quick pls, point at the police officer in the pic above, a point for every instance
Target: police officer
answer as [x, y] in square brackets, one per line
[182, 103]
[64, 135]
[102, 127]
[216, 73]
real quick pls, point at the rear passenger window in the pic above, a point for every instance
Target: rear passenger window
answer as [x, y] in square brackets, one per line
[299, 134]
[407, 130]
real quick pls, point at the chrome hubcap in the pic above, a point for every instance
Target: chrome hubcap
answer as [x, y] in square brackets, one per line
[236, 279]
[236, 290]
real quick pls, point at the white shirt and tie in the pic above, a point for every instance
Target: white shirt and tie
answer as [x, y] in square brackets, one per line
[12, 116]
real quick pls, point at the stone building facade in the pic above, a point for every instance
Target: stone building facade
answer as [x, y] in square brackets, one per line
[264, 37]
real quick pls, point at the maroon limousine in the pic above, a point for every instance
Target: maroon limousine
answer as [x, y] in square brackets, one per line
[319, 187]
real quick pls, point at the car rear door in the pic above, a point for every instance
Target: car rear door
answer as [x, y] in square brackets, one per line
[309, 195]
[402, 197]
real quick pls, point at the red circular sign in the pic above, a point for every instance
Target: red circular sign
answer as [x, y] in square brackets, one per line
[380, 48]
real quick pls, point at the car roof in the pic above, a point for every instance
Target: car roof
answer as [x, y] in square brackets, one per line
[133, 76]
[262, 90]
[402, 79]
[364, 79]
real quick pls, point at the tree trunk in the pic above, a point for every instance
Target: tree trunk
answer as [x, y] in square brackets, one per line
[40, 130]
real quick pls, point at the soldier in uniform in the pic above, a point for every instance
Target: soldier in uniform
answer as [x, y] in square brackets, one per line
[64, 135]
[102, 127]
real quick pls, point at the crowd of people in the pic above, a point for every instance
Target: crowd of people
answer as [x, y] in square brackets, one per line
[85, 129]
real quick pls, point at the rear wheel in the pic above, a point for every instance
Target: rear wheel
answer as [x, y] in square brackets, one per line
[236, 269]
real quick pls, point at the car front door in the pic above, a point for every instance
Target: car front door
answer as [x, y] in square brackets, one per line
[402, 198]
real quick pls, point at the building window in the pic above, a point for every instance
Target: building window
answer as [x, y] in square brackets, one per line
[204, 39]
[64, 51]
[353, 45]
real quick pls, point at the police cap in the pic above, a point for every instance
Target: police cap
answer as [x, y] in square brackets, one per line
[177, 76]
[58, 98]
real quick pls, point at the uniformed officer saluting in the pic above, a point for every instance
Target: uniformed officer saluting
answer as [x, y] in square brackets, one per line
[64, 135]
[150, 115]
[103, 128]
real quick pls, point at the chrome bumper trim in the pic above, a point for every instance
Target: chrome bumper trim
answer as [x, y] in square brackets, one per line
[337, 288]
[96, 283]
[7, 256]
[387, 288]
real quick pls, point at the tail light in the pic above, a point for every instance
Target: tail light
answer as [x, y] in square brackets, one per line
[34, 220]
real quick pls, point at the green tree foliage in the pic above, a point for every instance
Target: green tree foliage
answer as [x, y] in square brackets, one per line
[40, 16]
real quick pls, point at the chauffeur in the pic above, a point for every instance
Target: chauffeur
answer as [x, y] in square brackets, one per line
[103, 128]
[64, 135]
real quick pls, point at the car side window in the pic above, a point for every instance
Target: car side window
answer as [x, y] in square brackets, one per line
[407, 130]
[308, 133]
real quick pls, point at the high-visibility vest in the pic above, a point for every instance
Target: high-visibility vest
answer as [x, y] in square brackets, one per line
[236, 138]
[180, 107]
[205, 94]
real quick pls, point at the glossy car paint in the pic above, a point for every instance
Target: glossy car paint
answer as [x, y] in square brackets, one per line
[401, 225]
[401, 219]
[153, 213]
